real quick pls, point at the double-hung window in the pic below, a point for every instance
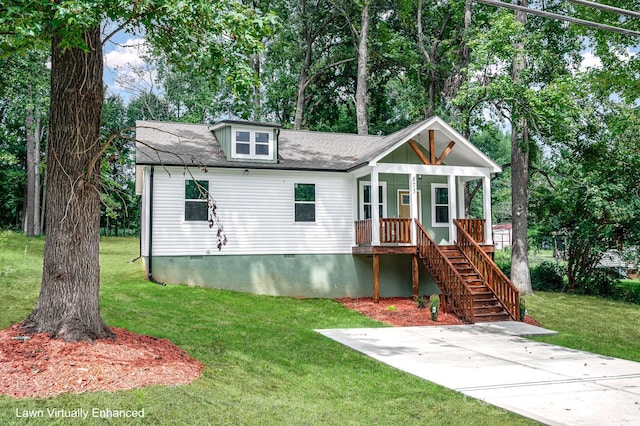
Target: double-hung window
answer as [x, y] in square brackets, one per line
[305, 202]
[440, 204]
[196, 194]
[366, 200]
[252, 144]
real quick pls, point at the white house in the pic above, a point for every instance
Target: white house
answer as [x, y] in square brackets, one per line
[297, 207]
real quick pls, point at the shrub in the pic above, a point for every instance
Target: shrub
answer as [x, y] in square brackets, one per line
[627, 291]
[548, 276]
[502, 258]
[600, 282]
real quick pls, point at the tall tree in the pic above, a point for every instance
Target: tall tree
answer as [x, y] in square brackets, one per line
[514, 73]
[363, 73]
[520, 275]
[200, 34]
[23, 108]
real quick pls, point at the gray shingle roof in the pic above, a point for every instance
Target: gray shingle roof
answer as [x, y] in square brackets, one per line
[167, 143]
[195, 145]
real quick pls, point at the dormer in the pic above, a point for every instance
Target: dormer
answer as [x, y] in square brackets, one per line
[248, 141]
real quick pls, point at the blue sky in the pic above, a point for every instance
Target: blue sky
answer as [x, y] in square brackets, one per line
[122, 57]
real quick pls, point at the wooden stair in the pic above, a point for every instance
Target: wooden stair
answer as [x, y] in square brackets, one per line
[486, 306]
[473, 286]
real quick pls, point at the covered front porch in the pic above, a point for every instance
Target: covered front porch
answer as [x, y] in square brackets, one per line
[412, 199]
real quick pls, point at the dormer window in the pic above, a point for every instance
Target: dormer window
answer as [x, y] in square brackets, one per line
[252, 144]
[247, 141]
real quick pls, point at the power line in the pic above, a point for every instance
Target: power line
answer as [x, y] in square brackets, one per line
[607, 8]
[561, 17]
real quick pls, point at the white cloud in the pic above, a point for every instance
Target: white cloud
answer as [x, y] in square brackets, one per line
[627, 55]
[128, 54]
[126, 71]
[590, 61]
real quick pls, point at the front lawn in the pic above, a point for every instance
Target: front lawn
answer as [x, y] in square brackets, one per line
[264, 364]
[589, 323]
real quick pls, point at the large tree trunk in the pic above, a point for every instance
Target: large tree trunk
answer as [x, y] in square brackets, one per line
[363, 74]
[68, 306]
[520, 275]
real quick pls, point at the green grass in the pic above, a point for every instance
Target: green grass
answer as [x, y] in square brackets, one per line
[264, 364]
[589, 323]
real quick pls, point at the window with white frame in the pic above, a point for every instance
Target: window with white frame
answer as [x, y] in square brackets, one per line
[252, 143]
[439, 204]
[366, 200]
[196, 193]
[304, 202]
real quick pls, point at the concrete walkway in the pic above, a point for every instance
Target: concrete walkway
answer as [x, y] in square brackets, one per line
[493, 363]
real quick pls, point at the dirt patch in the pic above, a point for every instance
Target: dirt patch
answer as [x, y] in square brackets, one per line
[37, 366]
[403, 312]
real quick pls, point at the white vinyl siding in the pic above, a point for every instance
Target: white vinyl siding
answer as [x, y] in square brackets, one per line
[257, 212]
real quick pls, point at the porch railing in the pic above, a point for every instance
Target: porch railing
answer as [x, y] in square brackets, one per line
[363, 232]
[395, 230]
[475, 228]
[457, 294]
[392, 231]
[494, 278]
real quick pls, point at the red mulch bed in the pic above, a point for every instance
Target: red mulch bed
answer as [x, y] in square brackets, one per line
[43, 367]
[403, 312]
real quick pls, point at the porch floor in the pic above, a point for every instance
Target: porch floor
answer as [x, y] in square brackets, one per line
[408, 249]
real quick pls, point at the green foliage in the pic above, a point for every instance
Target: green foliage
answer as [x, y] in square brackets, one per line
[548, 276]
[24, 82]
[595, 197]
[120, 211]
[503, 260]
[627, 291]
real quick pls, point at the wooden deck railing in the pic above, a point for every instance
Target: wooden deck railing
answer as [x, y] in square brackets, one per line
[363, 232]
[494, 278]
[474, 227]
[392, 231]
[395, 230]
[456, 291]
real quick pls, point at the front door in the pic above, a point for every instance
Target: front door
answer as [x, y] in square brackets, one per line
[404, 204]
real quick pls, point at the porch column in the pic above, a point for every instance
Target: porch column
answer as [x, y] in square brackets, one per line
[461, 207]
[453, 208]
[413, 206]
[375, 208]
[486, 198]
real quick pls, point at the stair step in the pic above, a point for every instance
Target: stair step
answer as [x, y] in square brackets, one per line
[487, 307]
[489, 310]
[488, 317]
